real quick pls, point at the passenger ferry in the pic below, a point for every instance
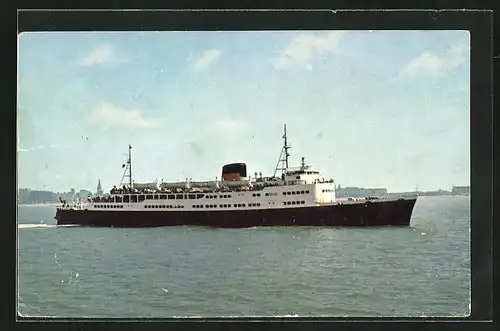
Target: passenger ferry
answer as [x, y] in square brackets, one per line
[301, 196]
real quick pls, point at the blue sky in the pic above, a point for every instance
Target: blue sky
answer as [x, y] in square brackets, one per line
[368, 108]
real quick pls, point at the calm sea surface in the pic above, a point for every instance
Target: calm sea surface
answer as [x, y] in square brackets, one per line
[192, 271]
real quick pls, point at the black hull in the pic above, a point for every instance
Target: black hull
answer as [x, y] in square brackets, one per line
[379, 213]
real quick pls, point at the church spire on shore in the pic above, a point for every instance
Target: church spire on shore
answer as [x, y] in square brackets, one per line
[99, 187]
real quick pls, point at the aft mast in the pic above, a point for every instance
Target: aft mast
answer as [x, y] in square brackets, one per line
[127, 173]
[283, 159]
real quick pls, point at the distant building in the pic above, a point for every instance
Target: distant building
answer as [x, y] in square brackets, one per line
[359, 192]
[83, 195]
[460, 190]
[99, 187]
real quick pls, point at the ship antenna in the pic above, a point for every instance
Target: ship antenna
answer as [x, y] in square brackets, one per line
[128, 167]
[283, 155]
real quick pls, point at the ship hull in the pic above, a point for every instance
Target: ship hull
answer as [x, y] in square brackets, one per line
[379, 213]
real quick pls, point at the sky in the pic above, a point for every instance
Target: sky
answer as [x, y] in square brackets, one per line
[367, 108]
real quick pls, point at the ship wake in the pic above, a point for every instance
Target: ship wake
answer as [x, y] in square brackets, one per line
[43, 225]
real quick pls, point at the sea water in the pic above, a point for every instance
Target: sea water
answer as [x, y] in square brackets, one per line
[421, 270]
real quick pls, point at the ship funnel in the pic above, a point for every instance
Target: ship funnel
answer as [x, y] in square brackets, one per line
[234, 171]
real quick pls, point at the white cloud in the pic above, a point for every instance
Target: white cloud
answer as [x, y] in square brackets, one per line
[108, 115]
[204, 60]
[36, 148]
[302, 48]
[430, 63]
[100, 54]
[232, 126]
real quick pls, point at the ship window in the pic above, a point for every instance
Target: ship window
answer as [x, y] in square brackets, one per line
[302, 192]
[207, 206]
[293, 202]
[229, 196]
[297, 177]
[307, 192]
[126, 198]
[254, 194]
[133, 198]
[258, 204]
[179, 196]
[199, 196]
[192, 196]
[284, 202]
[163, 196]
[149, 197]
[171, 196]
[141, 198]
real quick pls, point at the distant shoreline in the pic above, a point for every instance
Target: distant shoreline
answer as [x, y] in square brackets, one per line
[38, 204]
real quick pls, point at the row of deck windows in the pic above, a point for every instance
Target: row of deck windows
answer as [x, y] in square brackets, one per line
[223, 196]
[327, 190]
[162, 206]
[296, 192]
[227, 205]
[108, 206]
[294, 202]
[141, 197]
